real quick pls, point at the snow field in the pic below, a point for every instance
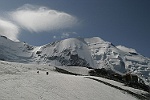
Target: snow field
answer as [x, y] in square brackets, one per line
[56, 86]
[22, 82]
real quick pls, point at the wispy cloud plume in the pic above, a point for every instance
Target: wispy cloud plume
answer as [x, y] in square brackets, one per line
[38, 19]
[9, 29]
[65, 35]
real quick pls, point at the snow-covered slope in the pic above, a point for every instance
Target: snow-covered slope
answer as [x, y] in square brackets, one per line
[125, 49]
[22, 82]
[71, 51]
[89, 52]
[14, 51]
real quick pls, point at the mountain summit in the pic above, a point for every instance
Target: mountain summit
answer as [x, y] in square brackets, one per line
[87, 52]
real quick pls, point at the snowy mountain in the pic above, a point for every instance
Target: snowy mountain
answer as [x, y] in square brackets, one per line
[89, 52]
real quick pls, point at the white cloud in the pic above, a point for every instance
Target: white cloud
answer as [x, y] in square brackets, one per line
[54, 37]
[38, 19]
[9, 30]
[67, 34]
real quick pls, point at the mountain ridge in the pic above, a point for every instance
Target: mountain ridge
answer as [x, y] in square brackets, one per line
[88, 52]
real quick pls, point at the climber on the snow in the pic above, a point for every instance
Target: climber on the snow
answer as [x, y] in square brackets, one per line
[38, 72]
[46, 73]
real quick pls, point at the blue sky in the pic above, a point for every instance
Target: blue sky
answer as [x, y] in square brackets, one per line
[122, 22]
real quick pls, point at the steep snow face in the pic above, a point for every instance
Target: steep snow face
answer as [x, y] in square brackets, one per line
[106, 55]
[89, 52]
[125, 49]
[14, 51]
[71, 51]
